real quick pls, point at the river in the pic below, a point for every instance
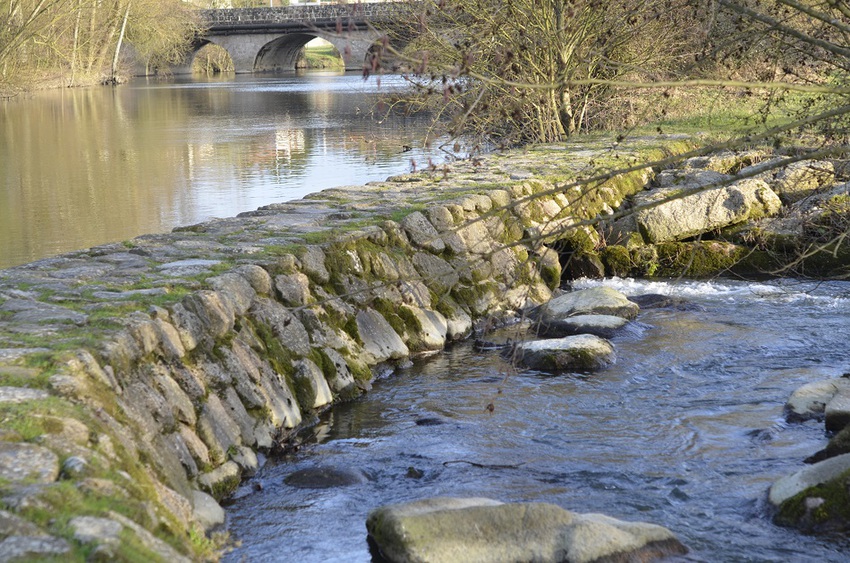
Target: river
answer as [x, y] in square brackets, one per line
[686, 431]
[86, 166]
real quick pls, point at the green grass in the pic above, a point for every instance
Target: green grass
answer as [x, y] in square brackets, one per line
[326, 57]
[713, 114]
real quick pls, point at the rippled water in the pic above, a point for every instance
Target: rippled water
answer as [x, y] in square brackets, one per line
[686, 430]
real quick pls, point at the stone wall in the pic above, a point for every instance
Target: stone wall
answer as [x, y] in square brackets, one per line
[147, 375]
[361, 13]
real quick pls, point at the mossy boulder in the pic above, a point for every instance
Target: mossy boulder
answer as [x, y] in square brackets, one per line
[579, 353]
[478, 529]
[816, 498]
[592, 301]
[673, 214]
[800, 179]
[699, 259]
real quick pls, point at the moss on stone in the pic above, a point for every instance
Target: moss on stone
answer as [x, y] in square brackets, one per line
[472, 295]
[411, 321]
[825, 261]
[280, 358]
[305, 393]
[350, 327]
[388, 311]
[617, 260]
[833, 513]
[644, 260]
[321, 359]
[700, 259]
[582, 239]
[225, 487]
[359, 371]
[550, 273]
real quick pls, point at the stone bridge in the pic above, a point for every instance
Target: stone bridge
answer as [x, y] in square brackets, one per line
[269, 39]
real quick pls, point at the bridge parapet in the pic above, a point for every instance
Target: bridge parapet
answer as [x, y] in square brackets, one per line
[238, 17]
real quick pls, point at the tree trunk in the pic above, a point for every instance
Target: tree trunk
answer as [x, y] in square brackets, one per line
[75, 50]
[118, 45]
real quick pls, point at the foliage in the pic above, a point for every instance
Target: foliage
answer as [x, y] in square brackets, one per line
[510, 73]
[55, 42]
[212, 59]
[518, 72]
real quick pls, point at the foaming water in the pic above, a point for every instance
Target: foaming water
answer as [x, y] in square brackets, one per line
[686, 431]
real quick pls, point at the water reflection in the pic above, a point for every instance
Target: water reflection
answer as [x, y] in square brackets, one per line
[81, 167]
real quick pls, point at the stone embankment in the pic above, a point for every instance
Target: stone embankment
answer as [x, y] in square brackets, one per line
[140, 380]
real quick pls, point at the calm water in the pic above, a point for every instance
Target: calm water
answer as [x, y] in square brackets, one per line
[686, 430]
[81, 167]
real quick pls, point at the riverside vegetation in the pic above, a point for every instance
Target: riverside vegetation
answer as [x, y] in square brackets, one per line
[141, 379]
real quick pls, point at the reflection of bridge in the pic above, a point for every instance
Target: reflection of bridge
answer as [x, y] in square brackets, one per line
[269, 39]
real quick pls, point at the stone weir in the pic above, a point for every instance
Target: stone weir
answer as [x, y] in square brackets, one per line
[139, 380]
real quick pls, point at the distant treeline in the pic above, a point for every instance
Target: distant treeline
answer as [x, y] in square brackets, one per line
[80, 42]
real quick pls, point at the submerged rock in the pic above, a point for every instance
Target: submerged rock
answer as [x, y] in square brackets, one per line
[325, 478]
[582, 352]
[480, 529]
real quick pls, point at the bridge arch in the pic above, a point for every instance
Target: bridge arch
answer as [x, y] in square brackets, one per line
[282, 53]
[267, 52]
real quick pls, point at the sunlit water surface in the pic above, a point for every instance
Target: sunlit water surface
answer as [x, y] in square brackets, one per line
[86, 166]
[686, 431]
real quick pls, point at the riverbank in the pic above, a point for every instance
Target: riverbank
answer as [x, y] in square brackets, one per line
[140, 379]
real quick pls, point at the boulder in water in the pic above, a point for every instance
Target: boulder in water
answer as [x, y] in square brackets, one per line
[480, 529]
[815, 401]
[593, 301]
[816, 497]
[838, 444]
[582, 353]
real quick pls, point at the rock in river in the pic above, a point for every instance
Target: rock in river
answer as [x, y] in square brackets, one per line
[816, 497]
[582, 352]
[826, 399]
[593, 301]
[479, 529]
